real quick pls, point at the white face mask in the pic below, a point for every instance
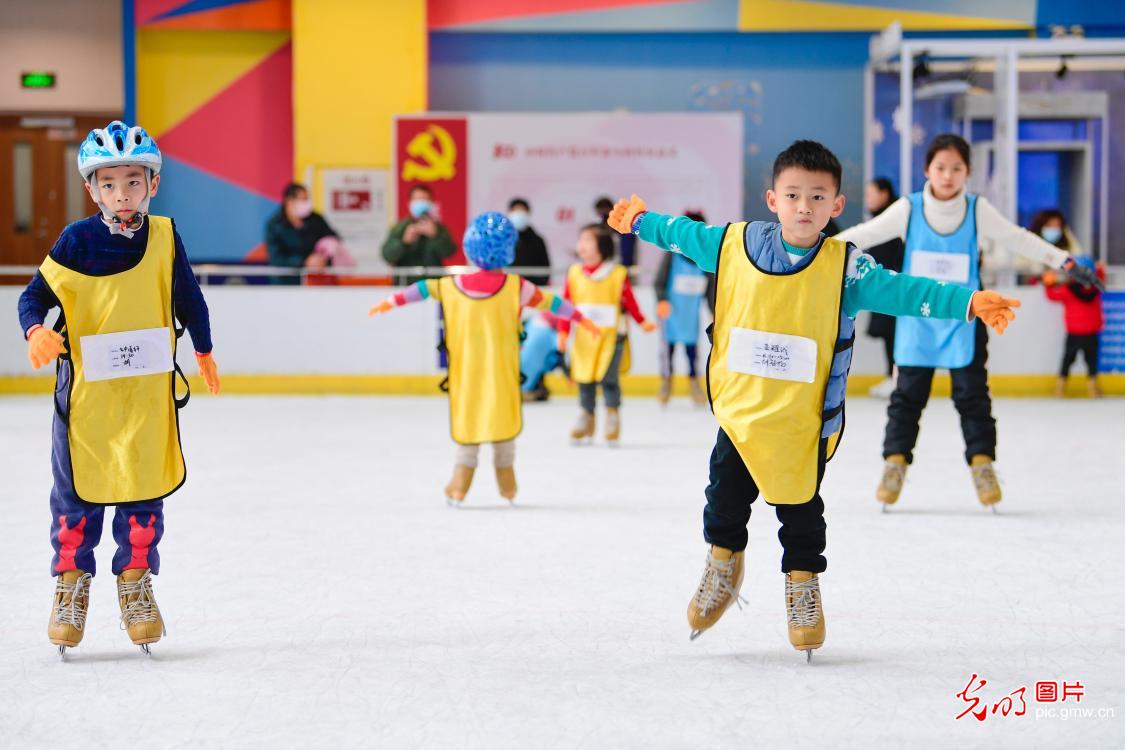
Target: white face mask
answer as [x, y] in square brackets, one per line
[302, 209]
[520, 220]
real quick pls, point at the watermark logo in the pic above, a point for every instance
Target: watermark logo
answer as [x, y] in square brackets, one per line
[1047, 695]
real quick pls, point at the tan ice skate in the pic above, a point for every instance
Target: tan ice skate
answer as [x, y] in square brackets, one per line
[139, 614]
[68, 613]
[890, 486]
[803, 611]
[584, 430]
[665, 392]
[718, 589]
[506, 481]
[698, 393]
[1093, 390]
[984, 479]
[458, 486]
[612, 426]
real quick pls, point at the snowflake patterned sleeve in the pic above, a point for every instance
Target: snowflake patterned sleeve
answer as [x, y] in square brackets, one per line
[695, 240]
[869, 286]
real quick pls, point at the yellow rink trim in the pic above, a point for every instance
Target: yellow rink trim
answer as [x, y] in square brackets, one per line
[633, 385]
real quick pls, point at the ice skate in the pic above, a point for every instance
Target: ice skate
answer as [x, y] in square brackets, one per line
[612, 426]
[984, 479]
[718, 589]
[584, 430]
[458, 486]
[139, 614]
[68, 613]
[665, 392]
[1060, 388]
[698, 394]
[883, 389]
[803, 611]
[1093, 390]
[890, 486]
[506, 481]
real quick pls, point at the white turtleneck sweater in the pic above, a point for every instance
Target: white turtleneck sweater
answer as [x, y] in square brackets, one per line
[995, 234]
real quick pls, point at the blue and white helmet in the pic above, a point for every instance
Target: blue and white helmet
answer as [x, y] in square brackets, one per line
[490, 241]
[116, 145]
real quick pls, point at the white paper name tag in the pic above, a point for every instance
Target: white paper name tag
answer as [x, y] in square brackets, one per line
[952, 267]
[771, 355]
[126, 354]
[692, 286]
[602, 315]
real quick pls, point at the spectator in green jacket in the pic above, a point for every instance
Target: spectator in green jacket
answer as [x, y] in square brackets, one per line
[419, 239]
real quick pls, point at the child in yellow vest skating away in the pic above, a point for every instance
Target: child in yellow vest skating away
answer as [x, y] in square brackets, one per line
[123, 280]
[786, 300]
[482, 311]
[599, 288]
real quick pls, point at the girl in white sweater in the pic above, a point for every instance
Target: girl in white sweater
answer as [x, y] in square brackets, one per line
[946, 230]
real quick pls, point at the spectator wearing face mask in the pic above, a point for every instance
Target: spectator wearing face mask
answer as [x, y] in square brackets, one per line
[531, 250]
[1050, 224]
[293, 232]
[419, 239]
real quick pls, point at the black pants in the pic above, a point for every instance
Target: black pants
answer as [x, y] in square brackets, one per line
[970, 396]
[692, 353]
[1088, 345]
[730, 494]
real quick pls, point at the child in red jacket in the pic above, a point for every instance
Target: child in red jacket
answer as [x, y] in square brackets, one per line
[1082, 307]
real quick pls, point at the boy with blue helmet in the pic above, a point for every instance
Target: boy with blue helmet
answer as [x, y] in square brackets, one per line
[122, 280]
[481, 312]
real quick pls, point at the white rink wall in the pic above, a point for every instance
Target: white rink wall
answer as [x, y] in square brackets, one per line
[325, 331]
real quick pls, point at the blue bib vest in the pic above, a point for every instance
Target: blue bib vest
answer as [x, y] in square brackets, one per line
[687, 286]
[949, 258]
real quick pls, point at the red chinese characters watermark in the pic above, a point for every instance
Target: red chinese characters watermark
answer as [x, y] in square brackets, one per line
[1015, 702]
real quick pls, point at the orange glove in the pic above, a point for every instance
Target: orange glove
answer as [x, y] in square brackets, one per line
[384, 306]
[209, 372]
[648, 326]
[43, 346]
[994, 309]
[589, 325]
[1050, 278]
[664, 309]
[623, 213]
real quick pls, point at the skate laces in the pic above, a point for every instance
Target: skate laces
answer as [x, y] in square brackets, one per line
[804, 602]
[140, 603]
[67, 611]
[984, 477]
[716, 581]
[894, 474]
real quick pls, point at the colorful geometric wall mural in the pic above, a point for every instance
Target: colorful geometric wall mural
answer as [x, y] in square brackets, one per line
[214, 87]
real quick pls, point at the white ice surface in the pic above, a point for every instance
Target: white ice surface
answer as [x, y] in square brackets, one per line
[318, 593]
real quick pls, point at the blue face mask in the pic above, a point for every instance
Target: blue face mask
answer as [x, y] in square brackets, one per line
[1052, 234]
[520, 220]
[419, 207]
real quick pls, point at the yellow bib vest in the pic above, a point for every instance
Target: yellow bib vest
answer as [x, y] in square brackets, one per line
[775, 338]
[122, 419]
[482, 337]
[600, 301]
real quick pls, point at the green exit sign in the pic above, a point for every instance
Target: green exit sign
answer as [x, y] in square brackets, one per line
[37, 80]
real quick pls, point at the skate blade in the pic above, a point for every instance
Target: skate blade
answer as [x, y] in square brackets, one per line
[695, 634]
[62, 652]
[145, 649]
[808, 652]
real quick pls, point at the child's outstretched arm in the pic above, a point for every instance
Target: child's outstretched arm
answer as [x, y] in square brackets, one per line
[414, 293]
[533, 296]
[869, 286]
[694, 240]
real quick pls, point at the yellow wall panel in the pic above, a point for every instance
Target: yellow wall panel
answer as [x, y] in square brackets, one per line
[356, 64]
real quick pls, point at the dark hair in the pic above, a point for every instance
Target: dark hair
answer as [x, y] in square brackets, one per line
[292, 190]
[886, 186]
[424, 188]
[695, 216]
[607, 248]
[953, 141]
[604, 202]
[1040, 219]
[810, 156]
[519, 202]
